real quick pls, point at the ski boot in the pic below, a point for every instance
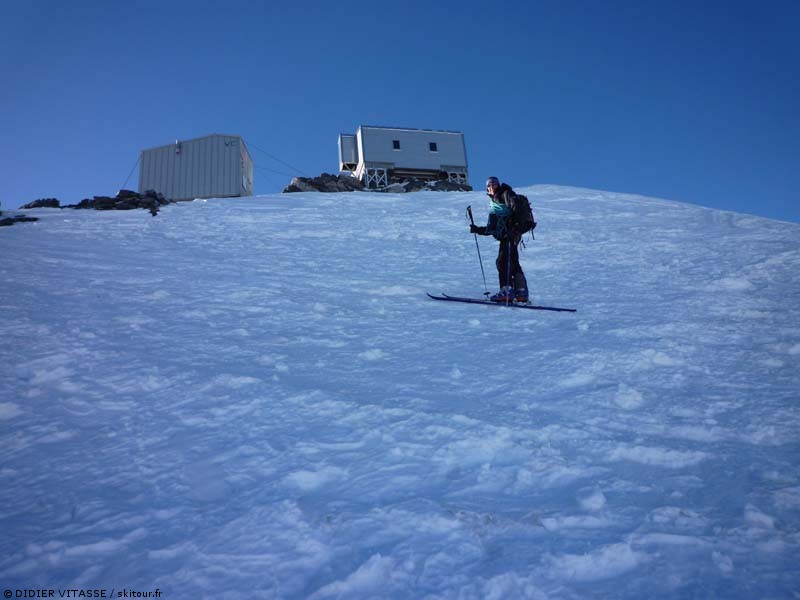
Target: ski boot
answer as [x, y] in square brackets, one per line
[506, 294]
[521, 296]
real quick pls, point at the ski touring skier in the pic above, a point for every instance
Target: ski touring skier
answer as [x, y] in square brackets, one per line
[513, 284]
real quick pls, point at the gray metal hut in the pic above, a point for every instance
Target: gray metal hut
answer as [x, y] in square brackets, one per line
[374, 154]
[214, 166]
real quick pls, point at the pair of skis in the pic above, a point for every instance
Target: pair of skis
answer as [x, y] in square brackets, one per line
[447, 298]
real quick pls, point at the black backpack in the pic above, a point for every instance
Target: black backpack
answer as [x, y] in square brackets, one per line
[522, 220]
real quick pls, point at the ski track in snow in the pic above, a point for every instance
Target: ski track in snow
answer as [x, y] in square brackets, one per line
[255, 398]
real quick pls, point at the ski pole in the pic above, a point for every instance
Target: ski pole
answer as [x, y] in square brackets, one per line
[477, 246]
[508, 274]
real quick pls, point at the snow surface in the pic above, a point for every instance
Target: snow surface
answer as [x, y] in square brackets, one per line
[254, 398]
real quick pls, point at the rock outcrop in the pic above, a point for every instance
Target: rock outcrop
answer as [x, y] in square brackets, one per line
[324, 183]
[43, 203]
[345, 183]
[124, 200]
[417, 185]
[8, 221]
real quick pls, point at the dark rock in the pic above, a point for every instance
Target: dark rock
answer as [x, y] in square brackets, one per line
[43, 203]
[324, 183]
[157, 195]
[125, 200]
[393, 188]
[414, 185]
[449, 186]
[8, 221]
[345, 183]
[104, 203]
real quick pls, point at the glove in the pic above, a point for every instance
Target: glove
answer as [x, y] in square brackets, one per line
[476, 229]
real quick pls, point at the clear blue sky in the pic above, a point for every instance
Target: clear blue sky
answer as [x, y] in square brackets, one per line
[691, 101]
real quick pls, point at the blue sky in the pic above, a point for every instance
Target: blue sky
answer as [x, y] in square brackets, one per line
[691, 101]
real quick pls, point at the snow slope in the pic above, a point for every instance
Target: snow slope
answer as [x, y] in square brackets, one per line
[253, 398]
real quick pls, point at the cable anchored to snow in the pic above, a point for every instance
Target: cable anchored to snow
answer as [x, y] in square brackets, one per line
[131, 173]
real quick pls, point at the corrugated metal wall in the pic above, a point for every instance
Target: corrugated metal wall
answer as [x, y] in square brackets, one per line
[376, 145]
[209, 167]
[348, 152]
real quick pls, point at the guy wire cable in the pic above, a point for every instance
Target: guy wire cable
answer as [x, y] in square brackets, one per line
[131, 173]
[278, 159]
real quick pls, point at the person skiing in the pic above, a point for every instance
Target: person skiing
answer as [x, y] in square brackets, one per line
[513, 284]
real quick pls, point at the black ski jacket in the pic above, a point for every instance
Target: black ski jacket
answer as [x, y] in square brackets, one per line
[496, 226]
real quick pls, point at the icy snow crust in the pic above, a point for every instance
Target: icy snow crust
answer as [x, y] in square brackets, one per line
[254, 398]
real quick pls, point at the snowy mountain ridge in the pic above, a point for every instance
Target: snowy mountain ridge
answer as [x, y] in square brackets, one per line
[255, 398]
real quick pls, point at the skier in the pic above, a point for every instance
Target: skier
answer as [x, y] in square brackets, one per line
[513, 285]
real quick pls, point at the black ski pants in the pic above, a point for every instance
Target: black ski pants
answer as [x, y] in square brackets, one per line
[509, 271]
